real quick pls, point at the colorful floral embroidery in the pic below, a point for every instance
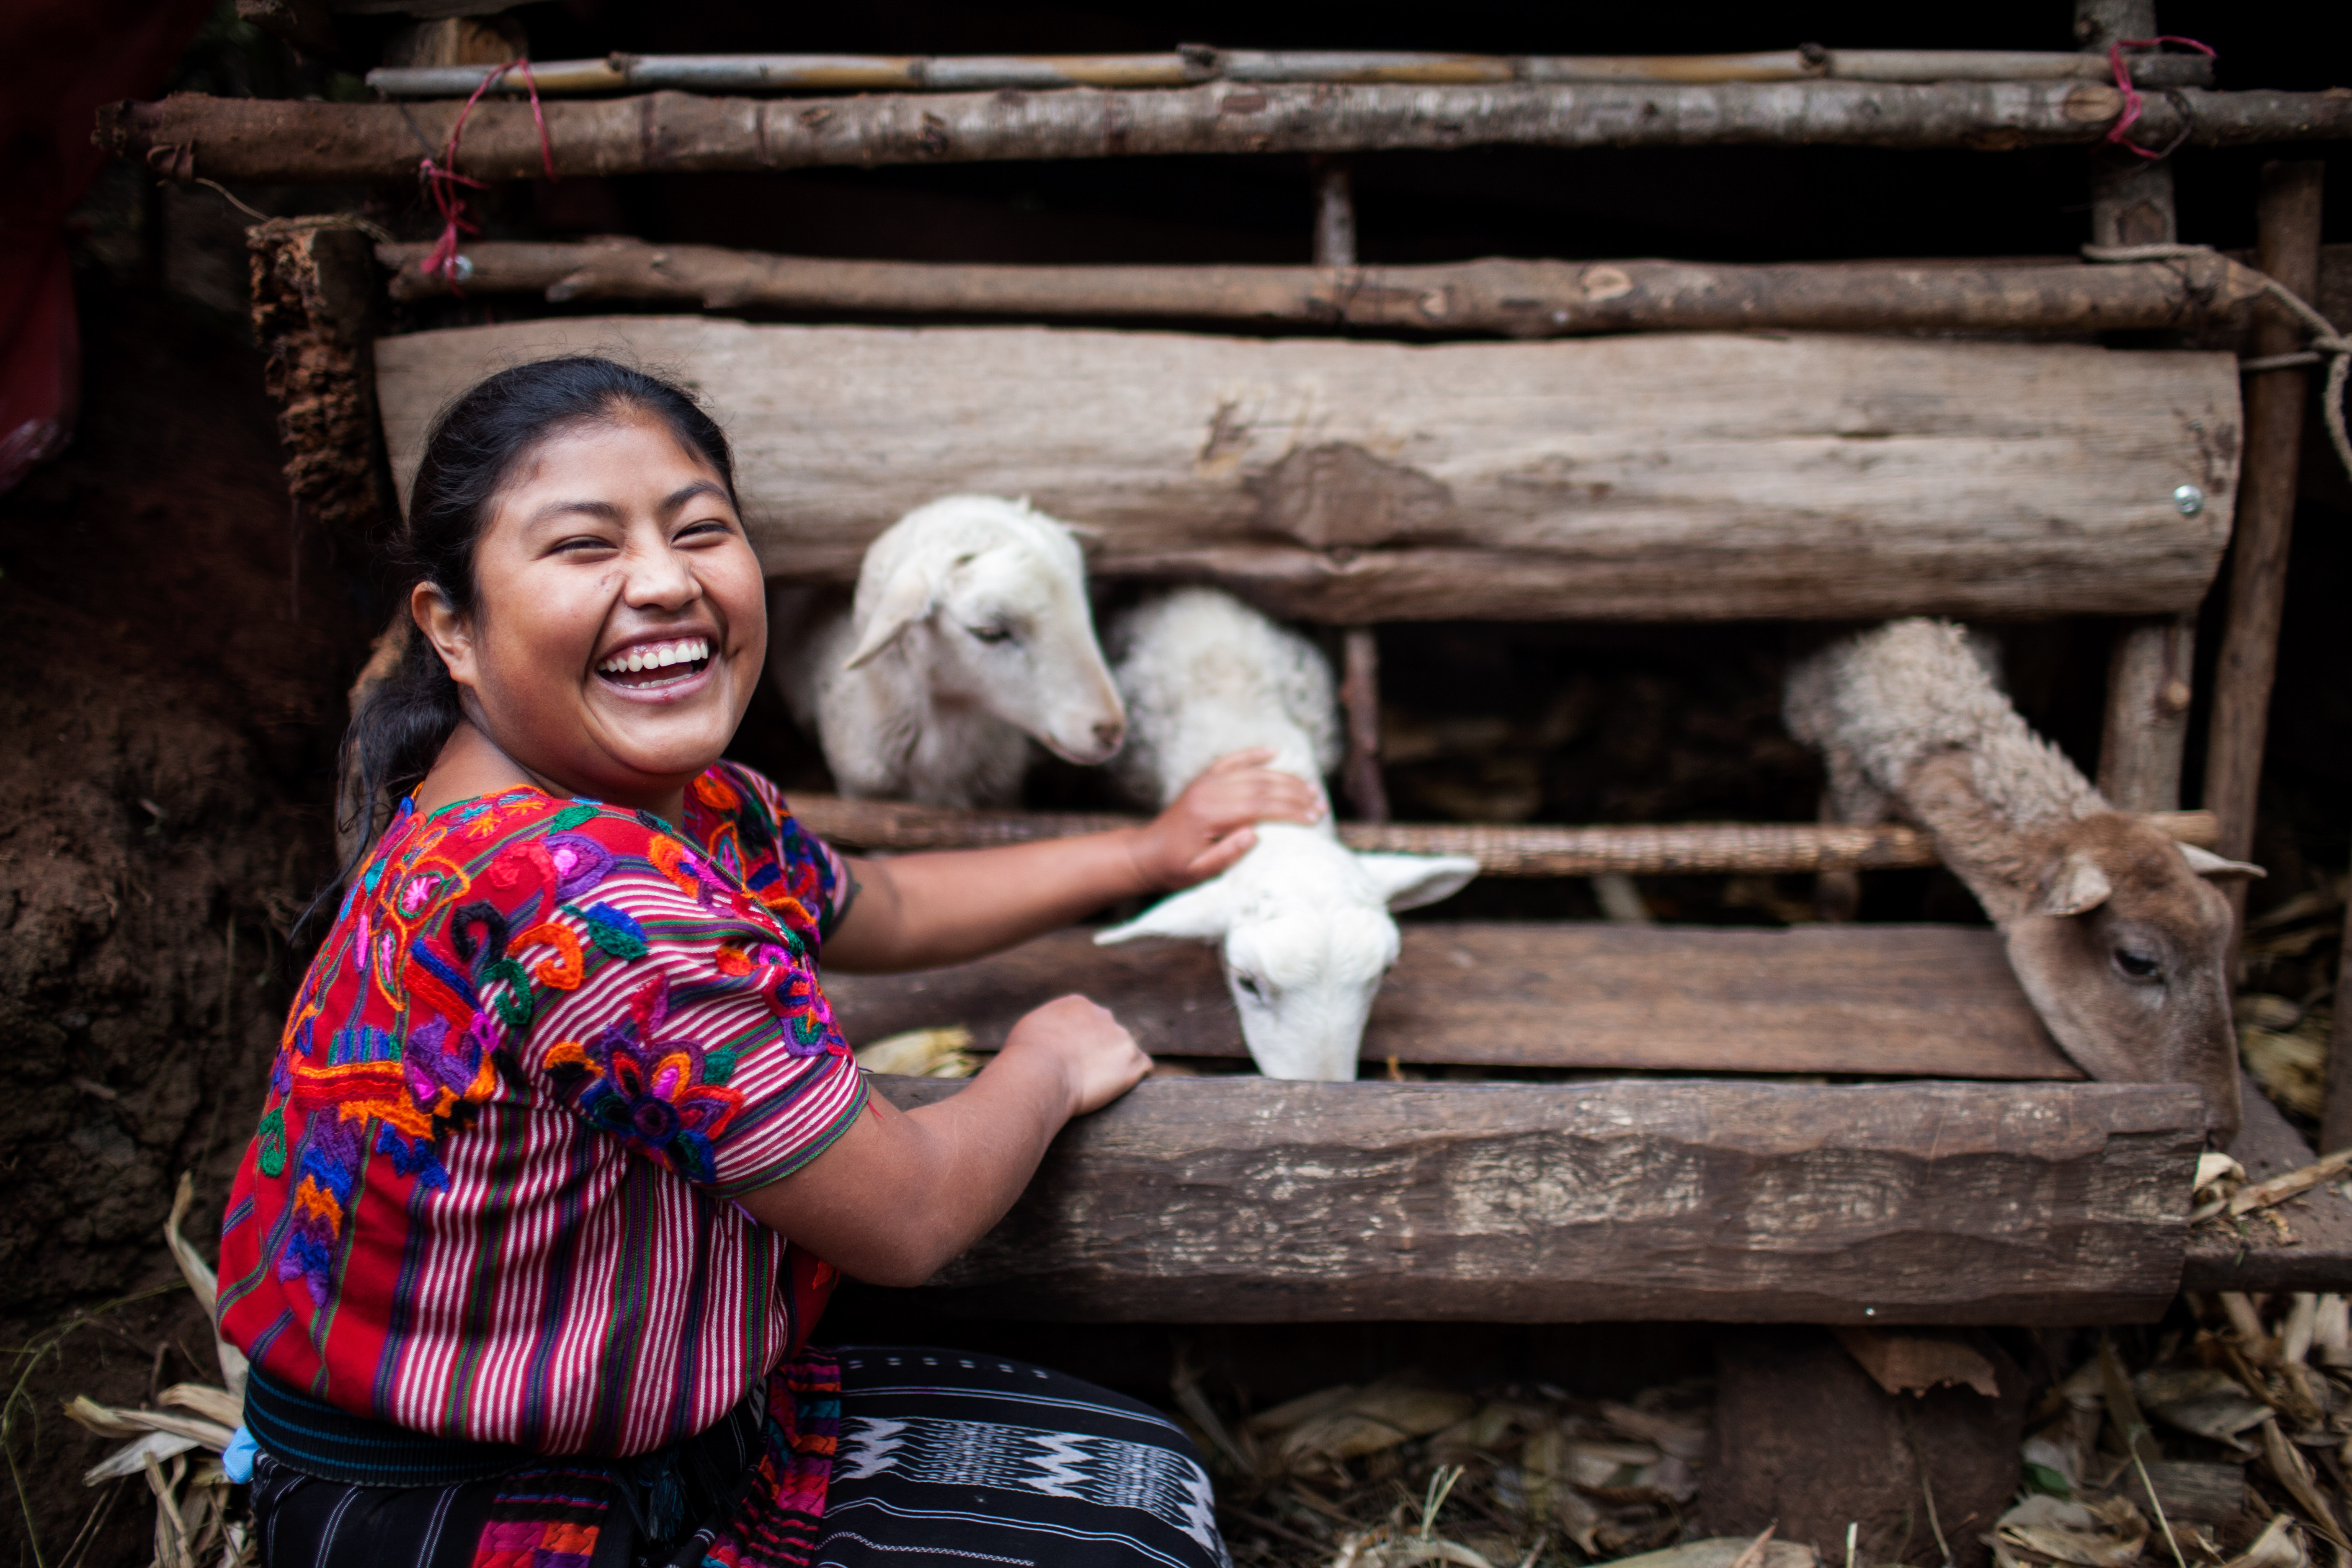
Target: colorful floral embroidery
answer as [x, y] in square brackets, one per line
[664, 1097]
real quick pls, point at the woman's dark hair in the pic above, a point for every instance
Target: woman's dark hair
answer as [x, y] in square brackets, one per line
[476, 444]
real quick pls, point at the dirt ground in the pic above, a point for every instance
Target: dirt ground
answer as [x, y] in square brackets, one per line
[170, 726]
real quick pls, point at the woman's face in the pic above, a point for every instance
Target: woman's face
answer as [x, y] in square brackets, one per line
[619, 624]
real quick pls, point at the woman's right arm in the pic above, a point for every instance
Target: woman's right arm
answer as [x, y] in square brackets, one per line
[900, 1192]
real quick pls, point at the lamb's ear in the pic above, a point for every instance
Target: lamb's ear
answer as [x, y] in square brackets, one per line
[1409, 882]
[1196, 914]
[2205, 863]
[906, 599]
[2079, 887]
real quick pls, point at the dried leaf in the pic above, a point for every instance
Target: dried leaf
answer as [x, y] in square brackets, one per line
[1379, 1417]
[2106, 1532]
[1291, 1412]
[922, 1053]
[1478, 1433]
[1913, 1364]
[1680, 1438]
[1722, 1552]
[102, 1419]
[2205, 1401]
[2280, 1545]
[2290, 1064]
[130, 1462]
[2293, 1471]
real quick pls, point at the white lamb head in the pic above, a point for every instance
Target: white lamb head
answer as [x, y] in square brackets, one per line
[989, 597]
[1304, 936]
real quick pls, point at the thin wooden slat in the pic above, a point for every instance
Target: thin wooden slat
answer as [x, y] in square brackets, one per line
[943, 73]
[1894, 1001]
[1250, 1201]
[1531, 849]
[1671, 477]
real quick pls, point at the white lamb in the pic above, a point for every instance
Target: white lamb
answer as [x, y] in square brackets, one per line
[970, 635]
[1302, 924]
[2111, 927]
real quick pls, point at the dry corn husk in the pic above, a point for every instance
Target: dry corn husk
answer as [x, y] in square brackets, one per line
[2291, 1470]
[1477, 1433]
[200, 1278]
[1680, 1438]
[132, 1460]
[2105, 1532]
[922, 1053]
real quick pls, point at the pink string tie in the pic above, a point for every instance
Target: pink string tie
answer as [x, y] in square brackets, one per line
[2133, 103]
[442, 180]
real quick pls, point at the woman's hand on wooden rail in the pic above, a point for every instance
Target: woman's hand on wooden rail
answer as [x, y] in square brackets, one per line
[901, 1192]
[921, 912]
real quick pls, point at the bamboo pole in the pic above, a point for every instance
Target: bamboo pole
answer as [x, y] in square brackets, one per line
[1199, 63]
[2288, 226]
[285, 141]
[1515, 298]
[1686, 849]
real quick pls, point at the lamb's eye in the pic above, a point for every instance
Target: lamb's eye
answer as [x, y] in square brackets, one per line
[2136, 965]
[1249, 988]
[991, 635]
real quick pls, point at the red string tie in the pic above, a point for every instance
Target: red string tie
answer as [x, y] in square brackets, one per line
[2132, 100]
[442, 180]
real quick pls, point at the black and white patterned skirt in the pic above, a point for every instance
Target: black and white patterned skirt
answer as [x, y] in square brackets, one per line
[951, 1459]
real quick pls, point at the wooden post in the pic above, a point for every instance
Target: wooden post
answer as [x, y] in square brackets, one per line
[2336, 1121]
[2148, 690]
[1359, 680]
[2148, 713]
[2289, 235]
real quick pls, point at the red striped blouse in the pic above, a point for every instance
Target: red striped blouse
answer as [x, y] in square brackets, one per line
[544, 1044]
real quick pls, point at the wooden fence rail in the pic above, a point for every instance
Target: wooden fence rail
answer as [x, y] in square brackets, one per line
[279, 141]
[1515, 298]
[1647, 849]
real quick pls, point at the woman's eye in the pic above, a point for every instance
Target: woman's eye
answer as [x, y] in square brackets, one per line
[991, 635]
[703, 529]
[2136, 965]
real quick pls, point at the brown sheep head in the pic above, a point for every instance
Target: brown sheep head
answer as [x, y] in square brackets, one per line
[2122, 946]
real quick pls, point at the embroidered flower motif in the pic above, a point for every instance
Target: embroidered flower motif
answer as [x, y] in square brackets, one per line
[664, 1097]
[683, 866]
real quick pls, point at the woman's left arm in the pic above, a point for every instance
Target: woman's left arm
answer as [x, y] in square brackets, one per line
[920, 911]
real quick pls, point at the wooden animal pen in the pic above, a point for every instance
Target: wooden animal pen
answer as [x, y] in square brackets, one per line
[1648, 441]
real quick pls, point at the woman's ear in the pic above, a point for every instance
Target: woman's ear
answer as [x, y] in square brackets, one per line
[451, 634]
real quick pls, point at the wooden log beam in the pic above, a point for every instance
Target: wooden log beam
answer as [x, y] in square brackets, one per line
[1705, 849]
[1663, 477]
[2288, 217]
[1241, 1200]
[2147, 728]
[1882, 1001]
[1199, 63]
[1515, 298]
[284, 141]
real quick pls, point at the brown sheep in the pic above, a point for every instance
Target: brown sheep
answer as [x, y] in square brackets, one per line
[2114, 929]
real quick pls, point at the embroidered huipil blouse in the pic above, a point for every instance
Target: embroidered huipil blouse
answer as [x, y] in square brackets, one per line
[544, 1044]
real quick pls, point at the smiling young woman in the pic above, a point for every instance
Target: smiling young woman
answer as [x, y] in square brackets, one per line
[562, 1152]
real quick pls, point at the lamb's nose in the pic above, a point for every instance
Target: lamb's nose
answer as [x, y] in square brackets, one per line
[1108, 735]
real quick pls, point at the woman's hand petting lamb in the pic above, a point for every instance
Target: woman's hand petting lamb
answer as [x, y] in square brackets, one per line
[921, 912]
[1213, 823]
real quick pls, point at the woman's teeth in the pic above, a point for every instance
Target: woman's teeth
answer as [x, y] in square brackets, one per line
[656, 655]
[651, 665]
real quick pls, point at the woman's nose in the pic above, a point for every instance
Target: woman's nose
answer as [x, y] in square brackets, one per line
[659, 579]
